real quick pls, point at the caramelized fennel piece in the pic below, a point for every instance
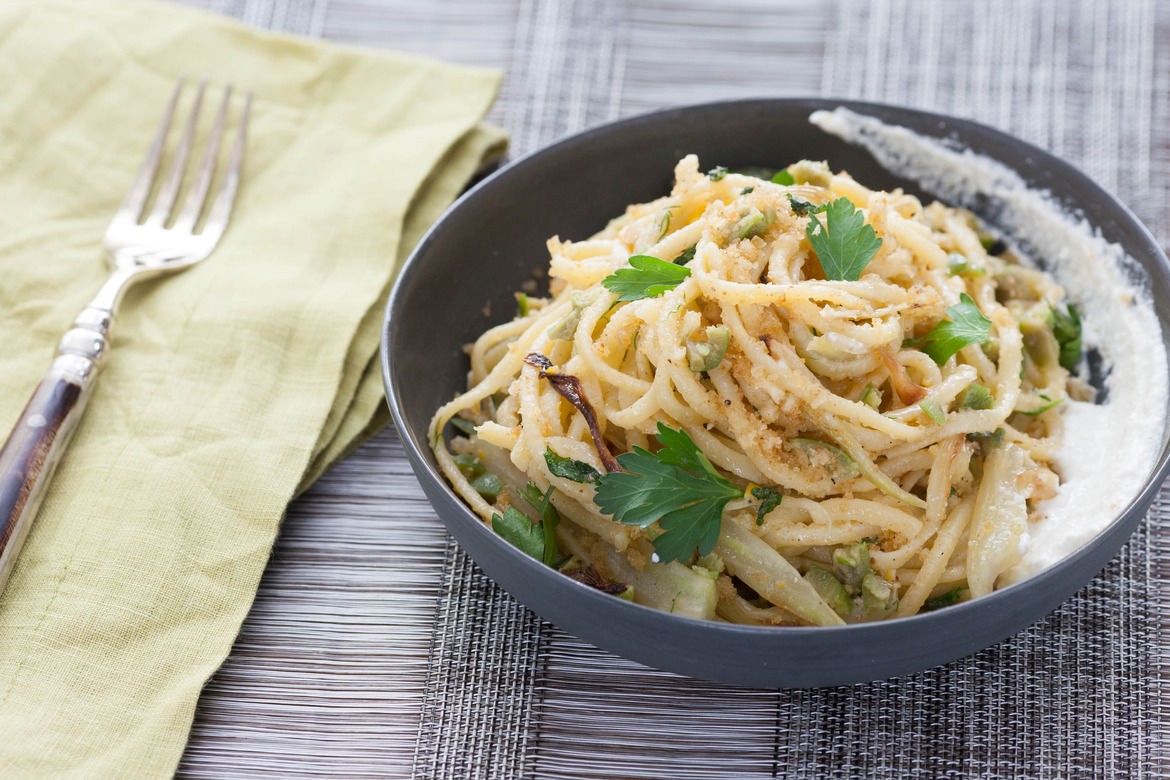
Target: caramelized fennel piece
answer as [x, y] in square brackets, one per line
[570, 389]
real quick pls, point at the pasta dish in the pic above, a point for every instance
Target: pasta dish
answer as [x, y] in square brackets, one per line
[776, 398]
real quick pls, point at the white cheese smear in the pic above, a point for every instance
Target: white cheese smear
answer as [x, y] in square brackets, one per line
[1109, 449]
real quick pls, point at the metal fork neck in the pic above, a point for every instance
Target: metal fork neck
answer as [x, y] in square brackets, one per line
[110, 295]
[83, 347]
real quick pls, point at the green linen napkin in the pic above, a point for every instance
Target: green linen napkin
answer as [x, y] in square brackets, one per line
[231, 385]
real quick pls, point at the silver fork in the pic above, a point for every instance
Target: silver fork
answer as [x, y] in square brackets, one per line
[137, 248]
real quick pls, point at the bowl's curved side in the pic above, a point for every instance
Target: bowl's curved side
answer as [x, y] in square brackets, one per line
[493, 239]
[770, 657]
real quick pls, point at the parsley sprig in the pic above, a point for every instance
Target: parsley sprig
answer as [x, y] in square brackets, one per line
[536, 539]
[964, 325]
[677, 487]
[519, 531]
[647, 277]
[844, 243]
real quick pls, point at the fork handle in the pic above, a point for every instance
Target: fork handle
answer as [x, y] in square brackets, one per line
[33, 449]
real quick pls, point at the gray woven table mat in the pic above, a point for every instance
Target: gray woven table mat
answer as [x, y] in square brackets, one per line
[377, 648]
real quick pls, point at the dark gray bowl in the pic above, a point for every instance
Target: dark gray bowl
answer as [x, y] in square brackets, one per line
[494, 237]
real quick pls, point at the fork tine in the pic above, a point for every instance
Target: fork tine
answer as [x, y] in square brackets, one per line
[135, 200]
[197, 195]
[165, 201]
[221, 208]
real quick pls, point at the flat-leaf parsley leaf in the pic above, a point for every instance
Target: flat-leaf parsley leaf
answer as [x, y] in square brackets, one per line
[519, 531]
[568, 468]
[647, 277]
[677, 487]
[550, 518]
[965, 325]
[844, 243]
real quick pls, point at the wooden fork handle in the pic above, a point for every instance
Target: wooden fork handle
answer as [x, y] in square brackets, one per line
[33, 449]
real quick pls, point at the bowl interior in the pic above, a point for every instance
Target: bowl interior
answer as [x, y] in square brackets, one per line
[461, 278]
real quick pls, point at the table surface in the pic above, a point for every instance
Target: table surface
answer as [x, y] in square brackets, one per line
[346, 664]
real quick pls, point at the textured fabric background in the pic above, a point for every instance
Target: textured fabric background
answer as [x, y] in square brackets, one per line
[357, 659]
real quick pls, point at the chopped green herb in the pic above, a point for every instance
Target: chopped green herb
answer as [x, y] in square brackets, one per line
[488, 485]
[567, 468]
[931, 409]
[664, 222]
[783, 177]
[686, 257]
[769, 499]
[802, 207]
[844, 243]
[960, 265]
[469, 465]
[518, 530]
[717, 173]
[534, 495]
[463, 425]
[706, 355]
[549, 519]
[1067, 329]
[677, 487]
[647, 277]
[976, 396]
[1049, 403]
[990, 440]
[965, 325]
[747, 190]
[947, 599]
